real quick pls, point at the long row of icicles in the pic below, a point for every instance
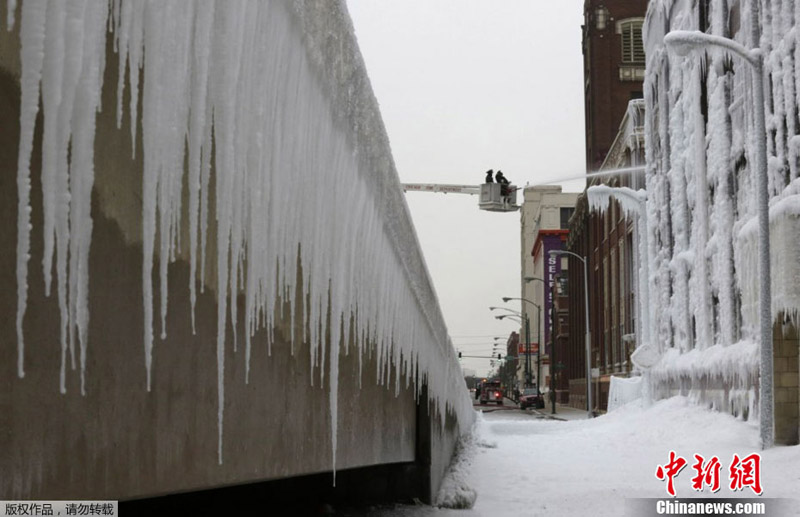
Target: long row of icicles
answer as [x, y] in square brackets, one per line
[232, 76]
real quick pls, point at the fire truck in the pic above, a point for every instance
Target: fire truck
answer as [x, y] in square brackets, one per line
[491, 391]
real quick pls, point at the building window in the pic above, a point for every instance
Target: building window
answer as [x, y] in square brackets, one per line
[562, 286]
[632, 44]
[566, 213]
[601, 17]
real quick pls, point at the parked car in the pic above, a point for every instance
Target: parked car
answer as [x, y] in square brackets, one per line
[530, 398]
[491, 391]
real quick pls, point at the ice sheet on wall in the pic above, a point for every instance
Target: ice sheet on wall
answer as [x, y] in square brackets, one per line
[701, 196]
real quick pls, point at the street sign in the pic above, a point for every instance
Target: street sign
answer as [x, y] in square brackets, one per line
[534, 348]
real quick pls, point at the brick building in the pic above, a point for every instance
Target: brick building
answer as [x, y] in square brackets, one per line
[613, 69]
[614, 62]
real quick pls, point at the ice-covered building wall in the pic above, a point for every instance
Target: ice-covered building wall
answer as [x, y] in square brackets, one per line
[259, 162]
[700, 144]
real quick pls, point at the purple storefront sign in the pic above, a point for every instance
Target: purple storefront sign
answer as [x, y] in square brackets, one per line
[552, 267]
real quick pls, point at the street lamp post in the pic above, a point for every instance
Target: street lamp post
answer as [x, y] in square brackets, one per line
[529, 279]
[528, 350]
[527, 342]
[588, 330]
[516, 314]
[682, 43]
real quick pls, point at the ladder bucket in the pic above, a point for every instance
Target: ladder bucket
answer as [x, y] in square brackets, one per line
[492, 200]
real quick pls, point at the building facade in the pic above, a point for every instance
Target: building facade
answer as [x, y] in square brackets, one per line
[545, 215]
[702, 210]
[613, 69]
[609, 239]
[560, 340]
[614, 64]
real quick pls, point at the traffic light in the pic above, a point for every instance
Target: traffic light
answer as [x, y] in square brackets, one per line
[500, 356]
[459, 355]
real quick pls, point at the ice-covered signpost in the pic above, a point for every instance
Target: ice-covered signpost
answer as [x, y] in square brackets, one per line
[682, 43]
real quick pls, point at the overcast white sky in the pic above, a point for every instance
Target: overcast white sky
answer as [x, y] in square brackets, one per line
[465, 86]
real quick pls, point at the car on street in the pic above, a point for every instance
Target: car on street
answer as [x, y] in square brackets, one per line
[530, 398]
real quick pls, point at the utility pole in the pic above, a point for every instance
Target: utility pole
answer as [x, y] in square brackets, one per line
[539, 352]
[528, 353]
[553, 365]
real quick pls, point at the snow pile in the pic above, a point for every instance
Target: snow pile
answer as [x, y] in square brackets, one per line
[456, 490]
[564, 468]
[269, 105]
[600, 466]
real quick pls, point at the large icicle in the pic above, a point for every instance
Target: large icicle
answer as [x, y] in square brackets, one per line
[32, 35]
[240, 102]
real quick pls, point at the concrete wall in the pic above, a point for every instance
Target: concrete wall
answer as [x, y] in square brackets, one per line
[122, 442]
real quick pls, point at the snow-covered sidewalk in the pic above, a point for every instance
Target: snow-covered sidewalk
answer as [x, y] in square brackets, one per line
[562, 413]
[522, 465]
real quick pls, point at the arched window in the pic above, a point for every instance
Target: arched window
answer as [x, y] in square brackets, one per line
[630, 31]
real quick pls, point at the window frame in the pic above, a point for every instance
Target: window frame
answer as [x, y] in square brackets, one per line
[627, 29]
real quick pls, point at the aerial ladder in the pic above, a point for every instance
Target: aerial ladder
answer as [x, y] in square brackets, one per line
[490, 195]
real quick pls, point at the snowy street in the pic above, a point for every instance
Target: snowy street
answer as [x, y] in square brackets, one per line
[523, 465]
